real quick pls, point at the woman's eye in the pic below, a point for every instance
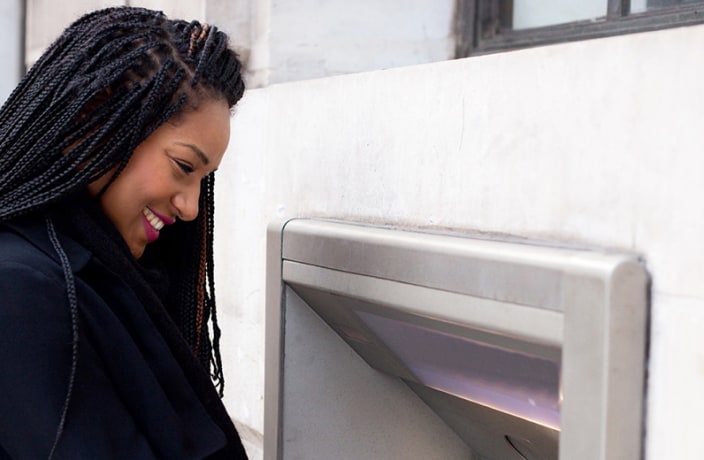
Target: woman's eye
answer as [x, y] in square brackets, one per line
[185, 167]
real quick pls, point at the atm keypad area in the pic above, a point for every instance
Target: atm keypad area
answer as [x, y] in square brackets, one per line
[384, 343]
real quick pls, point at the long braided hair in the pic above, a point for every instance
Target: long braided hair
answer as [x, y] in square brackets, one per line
[111, 79]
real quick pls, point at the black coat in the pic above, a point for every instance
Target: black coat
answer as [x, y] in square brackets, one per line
[138, 393]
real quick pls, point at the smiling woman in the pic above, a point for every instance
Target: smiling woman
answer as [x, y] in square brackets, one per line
[161, 182]
[108, 149]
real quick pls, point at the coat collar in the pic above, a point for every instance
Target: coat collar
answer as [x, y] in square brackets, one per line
[34, 230]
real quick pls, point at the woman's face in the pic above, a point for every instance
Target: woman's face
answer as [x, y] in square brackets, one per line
[161, 182]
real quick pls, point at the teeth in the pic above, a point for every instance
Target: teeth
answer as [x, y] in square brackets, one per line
[155, 222]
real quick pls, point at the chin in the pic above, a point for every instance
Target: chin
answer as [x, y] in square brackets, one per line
[137, 252]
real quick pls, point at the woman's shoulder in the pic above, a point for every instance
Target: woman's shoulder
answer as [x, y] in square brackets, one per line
[26, 243]
[32, 278]
[23, 266]
[17, 249]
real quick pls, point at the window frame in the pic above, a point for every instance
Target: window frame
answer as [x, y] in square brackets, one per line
[473, 40]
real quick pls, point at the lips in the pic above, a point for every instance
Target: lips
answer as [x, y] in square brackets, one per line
[153, 223]
[165, 219]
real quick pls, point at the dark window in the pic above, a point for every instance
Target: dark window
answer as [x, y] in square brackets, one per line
[485, 26]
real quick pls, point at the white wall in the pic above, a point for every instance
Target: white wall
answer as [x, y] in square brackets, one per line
[289, 40]
[320, 38]
[47, 19]
[592, 143]
[11, 51]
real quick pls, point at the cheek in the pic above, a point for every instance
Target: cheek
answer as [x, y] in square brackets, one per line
[125, 198]
[140, 185]
[158, 186]
[115, 204]
[148, 180]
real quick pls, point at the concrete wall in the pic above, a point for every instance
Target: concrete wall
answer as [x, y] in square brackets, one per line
[293, 40]
[592, 143]
[320, 38]
[46, 18]
[11, 13]
[290, 40]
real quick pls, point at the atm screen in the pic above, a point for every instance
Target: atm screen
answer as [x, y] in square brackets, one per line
[518, 383]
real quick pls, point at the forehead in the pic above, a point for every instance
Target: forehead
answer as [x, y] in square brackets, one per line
[206, 127]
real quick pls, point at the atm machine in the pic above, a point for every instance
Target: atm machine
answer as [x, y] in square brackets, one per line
[385, 343]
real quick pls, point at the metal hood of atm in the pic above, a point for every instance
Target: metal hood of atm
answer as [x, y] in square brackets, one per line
[519, 350]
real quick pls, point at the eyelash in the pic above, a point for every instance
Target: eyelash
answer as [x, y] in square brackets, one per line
[185, 167]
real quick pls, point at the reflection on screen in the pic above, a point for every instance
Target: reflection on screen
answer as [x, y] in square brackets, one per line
[521, 384]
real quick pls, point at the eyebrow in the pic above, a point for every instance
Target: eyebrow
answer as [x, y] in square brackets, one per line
[203, 157]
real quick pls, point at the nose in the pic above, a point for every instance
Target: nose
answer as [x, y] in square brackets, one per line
[186, 202]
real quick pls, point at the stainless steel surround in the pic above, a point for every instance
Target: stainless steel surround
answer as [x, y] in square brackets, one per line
[384, 343]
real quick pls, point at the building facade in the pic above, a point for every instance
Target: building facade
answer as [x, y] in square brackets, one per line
[359, 111]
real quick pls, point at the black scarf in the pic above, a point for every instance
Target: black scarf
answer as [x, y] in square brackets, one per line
[82, 220]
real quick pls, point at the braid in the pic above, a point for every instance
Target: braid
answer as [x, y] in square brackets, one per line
[108, 82]
[209, 270]
[191, 274]
[112, 78]
[73, 308]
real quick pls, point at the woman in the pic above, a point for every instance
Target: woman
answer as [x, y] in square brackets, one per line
[112, 137]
